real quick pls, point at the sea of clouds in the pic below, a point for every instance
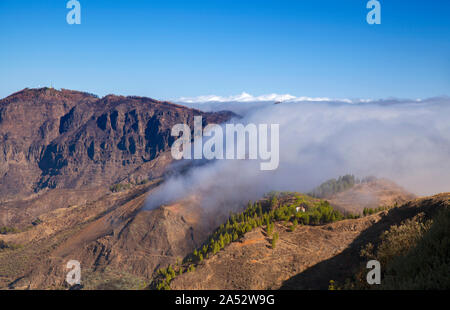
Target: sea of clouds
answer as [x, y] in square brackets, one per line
[407, 141]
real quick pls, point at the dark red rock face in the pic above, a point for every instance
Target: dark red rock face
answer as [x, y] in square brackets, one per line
[71, 139]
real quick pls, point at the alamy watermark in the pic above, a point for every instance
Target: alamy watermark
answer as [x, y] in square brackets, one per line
[74, 15]
[374, 15]
[235, 142]
[73, 277]
[374, 275]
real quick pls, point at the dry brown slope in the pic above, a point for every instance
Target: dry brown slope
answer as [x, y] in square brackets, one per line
[304, 259]
[60, 228]
[253, 264]
[113, 239]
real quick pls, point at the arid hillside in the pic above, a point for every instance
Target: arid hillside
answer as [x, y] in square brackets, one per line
[306, 258]
[75, 172]
[62, 148]
[120, 245]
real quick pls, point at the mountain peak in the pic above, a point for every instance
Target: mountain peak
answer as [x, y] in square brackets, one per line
[46, 93]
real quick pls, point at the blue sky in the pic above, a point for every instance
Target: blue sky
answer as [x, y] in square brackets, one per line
[166, 49]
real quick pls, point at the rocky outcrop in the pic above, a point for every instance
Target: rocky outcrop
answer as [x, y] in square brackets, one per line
[69, 139]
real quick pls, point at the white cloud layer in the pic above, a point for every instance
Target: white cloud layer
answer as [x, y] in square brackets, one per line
[405, 141]
[246, 97]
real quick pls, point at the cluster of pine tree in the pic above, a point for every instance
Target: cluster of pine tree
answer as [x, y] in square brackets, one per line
[255, 215]
[334, 186]
[166, 275]
[370, 211]
[236, 226]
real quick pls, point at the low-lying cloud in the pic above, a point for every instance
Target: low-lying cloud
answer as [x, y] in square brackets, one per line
[407, 141]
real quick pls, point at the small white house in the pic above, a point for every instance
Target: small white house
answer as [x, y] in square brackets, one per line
[300, 209]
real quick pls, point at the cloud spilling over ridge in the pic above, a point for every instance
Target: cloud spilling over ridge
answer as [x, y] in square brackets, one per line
[405, 141]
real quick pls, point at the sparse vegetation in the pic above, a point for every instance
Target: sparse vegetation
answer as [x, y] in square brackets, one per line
[9, 246]
[36, 222]
[332, 286]
[166, 275]
[112, 279]
[5, 230]
[119, 187]
[142, 182]
[255, 215]
[191, 268]
[426, 264]
[413, 255]
[274, 240]
[269, 228]
[370, 211]
[294, 225]
[352, 216]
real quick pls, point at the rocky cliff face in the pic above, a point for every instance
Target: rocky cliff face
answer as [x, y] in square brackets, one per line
[60, 151]
[69, 139]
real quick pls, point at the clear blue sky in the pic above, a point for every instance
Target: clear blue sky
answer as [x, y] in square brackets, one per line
[166, 48]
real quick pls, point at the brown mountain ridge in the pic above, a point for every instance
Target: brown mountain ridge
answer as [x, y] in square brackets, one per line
[70, 140]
